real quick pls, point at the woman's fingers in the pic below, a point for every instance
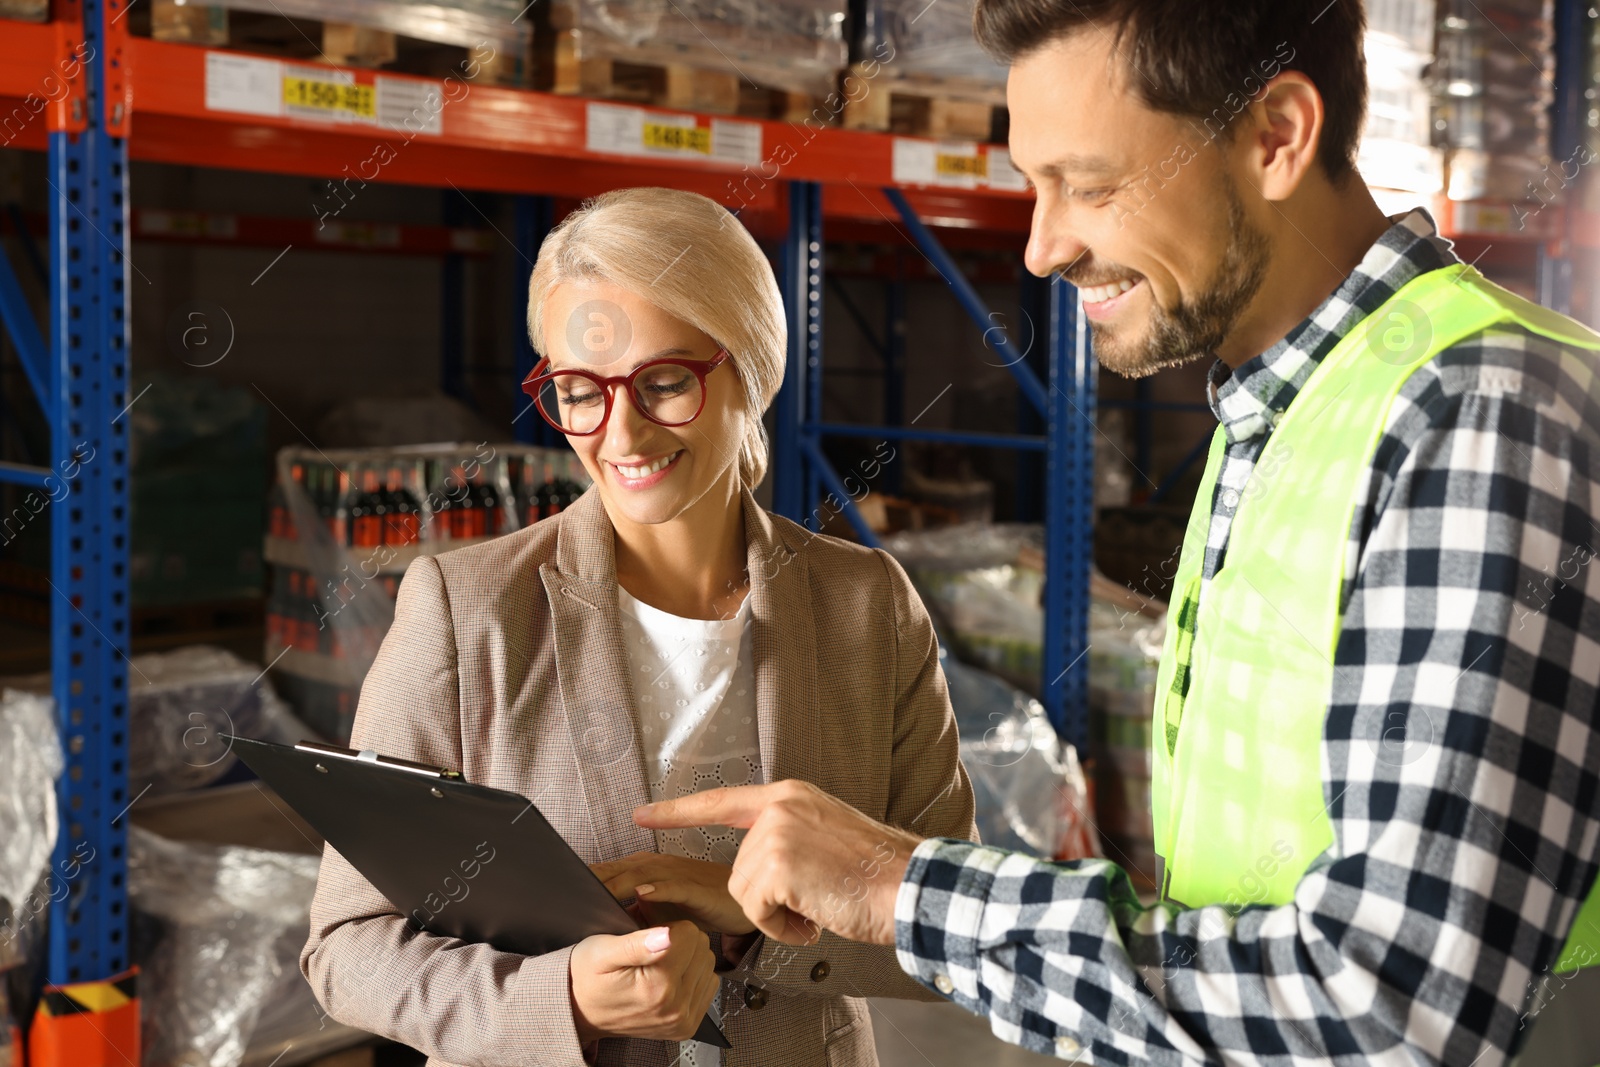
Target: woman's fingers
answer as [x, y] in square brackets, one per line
[621, 878]
[669, 892]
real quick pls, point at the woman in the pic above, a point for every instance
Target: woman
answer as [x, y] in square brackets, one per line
[661, 636]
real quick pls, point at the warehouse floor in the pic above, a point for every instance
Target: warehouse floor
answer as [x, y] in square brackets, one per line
[912, 1033]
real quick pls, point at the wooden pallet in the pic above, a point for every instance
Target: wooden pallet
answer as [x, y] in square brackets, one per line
[25, 10]
[340, 43]
[941, 108]
[562, 64]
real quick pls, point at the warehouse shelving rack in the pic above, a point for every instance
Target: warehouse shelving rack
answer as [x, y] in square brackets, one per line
[92, 97]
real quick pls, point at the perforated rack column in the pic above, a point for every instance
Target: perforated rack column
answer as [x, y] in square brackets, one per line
[88, 412]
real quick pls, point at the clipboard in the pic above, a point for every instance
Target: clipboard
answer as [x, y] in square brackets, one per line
[466, 861]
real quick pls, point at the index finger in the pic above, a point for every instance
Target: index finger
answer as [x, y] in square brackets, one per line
[737, 806]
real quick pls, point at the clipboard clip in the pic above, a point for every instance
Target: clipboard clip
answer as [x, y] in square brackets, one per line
[368, 755]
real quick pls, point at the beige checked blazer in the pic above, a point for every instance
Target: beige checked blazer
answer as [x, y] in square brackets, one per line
[506, 662]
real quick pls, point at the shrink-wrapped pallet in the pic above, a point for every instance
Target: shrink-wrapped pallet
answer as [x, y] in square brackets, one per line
[793, 45]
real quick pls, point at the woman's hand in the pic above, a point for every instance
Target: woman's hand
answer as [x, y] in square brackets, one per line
[698, 889]
[655, 983]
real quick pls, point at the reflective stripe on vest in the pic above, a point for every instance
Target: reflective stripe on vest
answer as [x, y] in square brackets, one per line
[1237, 777]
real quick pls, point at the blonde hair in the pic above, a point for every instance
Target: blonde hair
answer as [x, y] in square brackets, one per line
[690, 257]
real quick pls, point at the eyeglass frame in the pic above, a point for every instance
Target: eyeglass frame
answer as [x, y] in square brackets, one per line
[700, 368]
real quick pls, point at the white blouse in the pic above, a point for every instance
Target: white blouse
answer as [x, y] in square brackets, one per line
[697, 711]
[697, 718]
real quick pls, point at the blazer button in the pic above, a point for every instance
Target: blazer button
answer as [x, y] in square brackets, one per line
[820, 971]
[755, 997]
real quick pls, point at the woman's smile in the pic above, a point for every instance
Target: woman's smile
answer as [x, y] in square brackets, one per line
[643, 475]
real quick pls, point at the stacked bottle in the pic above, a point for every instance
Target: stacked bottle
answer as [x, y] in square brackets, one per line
[330, 598]
[542, 493]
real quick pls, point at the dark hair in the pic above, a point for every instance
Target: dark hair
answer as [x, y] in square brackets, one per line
[1200, 58]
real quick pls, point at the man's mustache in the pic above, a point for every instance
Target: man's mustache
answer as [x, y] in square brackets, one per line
[1085, 275]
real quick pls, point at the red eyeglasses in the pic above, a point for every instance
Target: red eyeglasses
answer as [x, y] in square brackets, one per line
[668, 392]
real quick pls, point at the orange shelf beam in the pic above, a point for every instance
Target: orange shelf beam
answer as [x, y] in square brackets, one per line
[510, 140]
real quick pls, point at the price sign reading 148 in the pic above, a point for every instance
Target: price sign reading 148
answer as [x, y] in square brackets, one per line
[677, 138]
[947, 165]
[334, 97]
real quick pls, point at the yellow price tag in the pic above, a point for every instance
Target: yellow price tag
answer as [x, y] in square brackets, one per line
[677, 138]
[950, 166]
[347, 98]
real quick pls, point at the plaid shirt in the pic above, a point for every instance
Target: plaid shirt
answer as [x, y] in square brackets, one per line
[1460, 754]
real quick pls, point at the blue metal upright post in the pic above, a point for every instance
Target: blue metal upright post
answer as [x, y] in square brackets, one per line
[1069, 518]
[798, 402]
[87, 411]
[1067, 405]
[1033, 301]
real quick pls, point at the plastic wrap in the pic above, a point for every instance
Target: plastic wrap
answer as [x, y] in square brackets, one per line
[1124, 656]
[182, 703]
[927, 40]
[30, 763]
[207, 922]
[983, 581]
[1493, 82]
[1030, 789]
[798, 45]
[345, 524]
[467, 23]
[1396, 149]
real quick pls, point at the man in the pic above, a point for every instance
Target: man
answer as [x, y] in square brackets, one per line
[1376, 751]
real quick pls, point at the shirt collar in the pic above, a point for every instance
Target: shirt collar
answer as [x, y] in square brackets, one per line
[1248, 401]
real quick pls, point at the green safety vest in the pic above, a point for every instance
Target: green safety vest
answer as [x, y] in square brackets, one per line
[1236, 784]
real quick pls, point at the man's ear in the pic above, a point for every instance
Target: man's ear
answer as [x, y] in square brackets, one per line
[1286, 135]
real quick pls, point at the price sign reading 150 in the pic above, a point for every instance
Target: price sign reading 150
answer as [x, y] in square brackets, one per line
[329, 96]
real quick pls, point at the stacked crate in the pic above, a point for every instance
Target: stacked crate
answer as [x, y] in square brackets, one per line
[344, 525]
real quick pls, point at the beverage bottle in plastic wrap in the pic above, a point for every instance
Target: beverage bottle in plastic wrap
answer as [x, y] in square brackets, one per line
[368, 509]
[277, 508]
[404, 512]
[487, 496]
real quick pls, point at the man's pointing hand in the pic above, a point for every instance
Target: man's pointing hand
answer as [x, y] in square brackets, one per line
[809, 862]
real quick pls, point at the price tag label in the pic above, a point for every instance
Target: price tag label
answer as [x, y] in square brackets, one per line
[632, 131]
[675, 138]
[1002, 175]
[961, 167]
[335, 99]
